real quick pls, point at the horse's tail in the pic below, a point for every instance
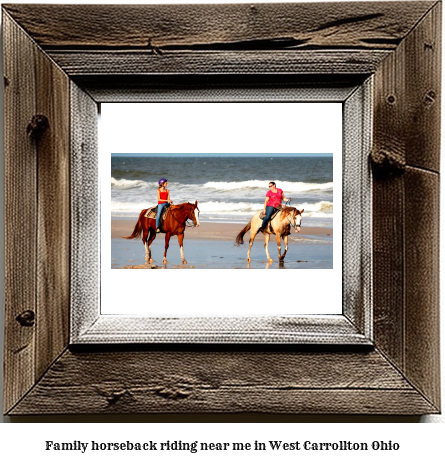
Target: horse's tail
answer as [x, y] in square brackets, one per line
[137, 229]
[239, 239]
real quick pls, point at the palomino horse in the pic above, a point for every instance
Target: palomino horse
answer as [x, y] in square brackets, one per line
[280, 226]
[173, 225]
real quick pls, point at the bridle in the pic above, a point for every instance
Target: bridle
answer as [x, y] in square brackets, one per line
[192, 209]
[290, 222]
[189, 217]
[294, 225]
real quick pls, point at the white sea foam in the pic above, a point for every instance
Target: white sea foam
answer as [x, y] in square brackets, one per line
[130, 184]
[255, 184]
[319, 207]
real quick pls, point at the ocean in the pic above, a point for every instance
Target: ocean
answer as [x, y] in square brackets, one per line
[228, 189]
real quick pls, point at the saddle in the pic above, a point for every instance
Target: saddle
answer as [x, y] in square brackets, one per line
[274, 214]
[153, 211]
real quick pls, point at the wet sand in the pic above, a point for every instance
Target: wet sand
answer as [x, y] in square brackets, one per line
[212, 246]
[209, 231]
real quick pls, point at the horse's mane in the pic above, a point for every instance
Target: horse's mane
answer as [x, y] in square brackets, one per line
[181, 205]
[287, 210]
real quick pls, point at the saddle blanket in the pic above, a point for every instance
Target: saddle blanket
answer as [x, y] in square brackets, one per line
[274, 214]
[153, 211]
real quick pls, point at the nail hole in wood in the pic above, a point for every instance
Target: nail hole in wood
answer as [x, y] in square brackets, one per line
[430, 97]
[391, 99]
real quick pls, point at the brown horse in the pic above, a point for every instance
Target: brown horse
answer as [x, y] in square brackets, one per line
[173, 225]
[280, 226]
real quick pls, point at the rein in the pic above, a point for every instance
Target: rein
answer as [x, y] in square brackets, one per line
[185, 222]
[191, 219]
[287, 204]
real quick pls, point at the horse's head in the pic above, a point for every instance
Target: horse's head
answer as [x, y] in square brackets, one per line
[194, 213]
[293, 215]
[297, 219]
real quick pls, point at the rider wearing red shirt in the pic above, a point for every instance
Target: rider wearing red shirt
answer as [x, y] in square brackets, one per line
[273, 200]
[163, 200]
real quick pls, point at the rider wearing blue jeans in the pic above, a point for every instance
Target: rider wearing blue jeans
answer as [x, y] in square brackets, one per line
[273, 200]
[163, 200]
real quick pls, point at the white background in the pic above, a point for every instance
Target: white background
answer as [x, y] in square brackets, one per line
[23, 442]
[220, 128]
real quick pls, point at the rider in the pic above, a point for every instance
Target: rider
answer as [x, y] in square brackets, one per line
[273, 200]
[163, 200]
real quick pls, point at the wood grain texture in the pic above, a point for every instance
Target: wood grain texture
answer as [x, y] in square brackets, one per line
[406, 132]
[223, 382]
[398, 42]
[85, 212]
[53, 228]
[388, 268]
[423, 91]
[215, 87]
[20, 212]
[79, 63]
[422, 281]
[357, 208]
[408, 82]
[341, 25]
[388, 201]
[108, 329]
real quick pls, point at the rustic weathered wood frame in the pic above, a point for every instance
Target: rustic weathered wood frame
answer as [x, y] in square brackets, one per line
[90, 321]
[81, 55]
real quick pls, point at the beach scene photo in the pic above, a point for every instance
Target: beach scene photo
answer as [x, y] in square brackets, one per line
[224, 194]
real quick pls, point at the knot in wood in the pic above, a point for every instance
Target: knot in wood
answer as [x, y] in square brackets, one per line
[114, 397]
[37, 126]
[26, 318]
[387, 162]
[173, 393]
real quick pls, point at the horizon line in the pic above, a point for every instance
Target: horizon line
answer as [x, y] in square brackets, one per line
[220, 155]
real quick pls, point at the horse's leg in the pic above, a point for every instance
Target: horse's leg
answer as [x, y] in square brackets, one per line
[147, 251]
[148, 246]
[285, 238]
[145, 233]
[167, 242]
[181, 247]
[266, 246]
[252, 238]
[280, 258]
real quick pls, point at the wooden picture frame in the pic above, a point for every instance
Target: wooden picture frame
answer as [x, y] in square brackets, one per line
[57, 70]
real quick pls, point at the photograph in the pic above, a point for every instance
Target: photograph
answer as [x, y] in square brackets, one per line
[219, 210]
[262, 199]
[223, 129]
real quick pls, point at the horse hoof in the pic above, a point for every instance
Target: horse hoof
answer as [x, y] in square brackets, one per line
[270, 259]
[249, 259]
[184, 262]
[151, 260]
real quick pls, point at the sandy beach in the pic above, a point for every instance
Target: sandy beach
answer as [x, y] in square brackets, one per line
[212, 246]
[209, 231]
